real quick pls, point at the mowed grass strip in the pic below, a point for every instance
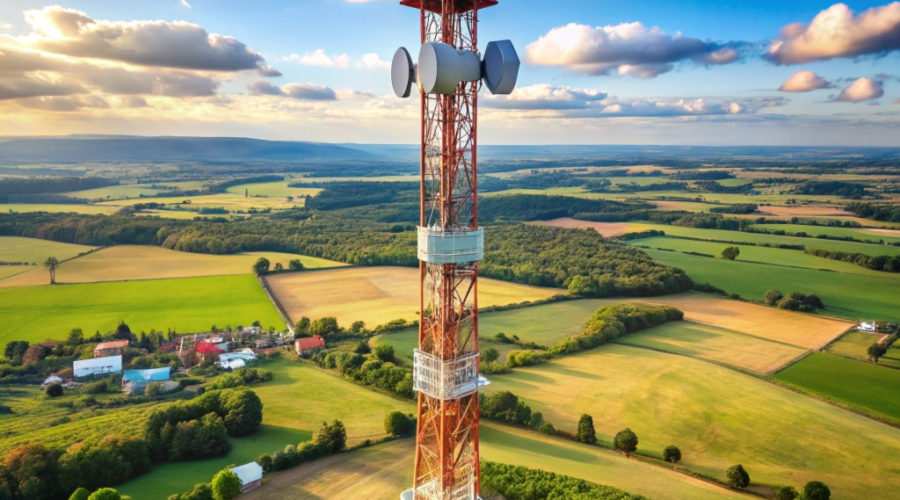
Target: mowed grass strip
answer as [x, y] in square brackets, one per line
[185, 305]
[850, 296]
[717, 417]
[848, 381]
[715, 344]
[377, 295]
[132, 262]
[295, 403]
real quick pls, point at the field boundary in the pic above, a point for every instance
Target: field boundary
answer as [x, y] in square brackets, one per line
[833, 402]
[285, 317]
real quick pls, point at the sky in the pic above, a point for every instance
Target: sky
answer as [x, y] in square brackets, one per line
[690, 72]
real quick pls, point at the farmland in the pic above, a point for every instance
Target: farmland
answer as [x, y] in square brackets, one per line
[730, 418]
[875, 235]
[855, 345]
[15, 249]
[58, 209]
[129, 262]
[848, 381]
[377, 295]
[185, 305]
[650, 195]
[229, 201]
[273, 190]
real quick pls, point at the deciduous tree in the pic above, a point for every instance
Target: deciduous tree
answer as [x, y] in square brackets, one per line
[876, 351]
[384, 352]
[672, 454]
[738, 477]
[225, 485]
[626, 441]
[786, 493]
[585, 432]
[816, 490]
[490, 355]
[261, 267]
[731, 253]
[51, 264]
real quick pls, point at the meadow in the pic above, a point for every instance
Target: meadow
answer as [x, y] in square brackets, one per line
[185, 305]
[875, 235]
[377, 295]
[273, 190]
[295, 403]
[850, 296]
[855, 345]
[230, 201]
[848, 381]
[716, 416]
[59, 209]
[16, 249]
[132, 190]
[131, 262]
[723, 198]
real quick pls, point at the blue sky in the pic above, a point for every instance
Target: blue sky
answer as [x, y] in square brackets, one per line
[688, 100]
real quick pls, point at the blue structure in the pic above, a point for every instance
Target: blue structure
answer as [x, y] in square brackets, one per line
[140, 378]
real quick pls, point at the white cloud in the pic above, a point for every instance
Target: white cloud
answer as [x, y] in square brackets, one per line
[299, 91]
[185, 4]
[372, 62]
[804, 81]
[838, 32]
[319, 58]
[625, 49]
[5, 26]
[544, 97]
[863, 89]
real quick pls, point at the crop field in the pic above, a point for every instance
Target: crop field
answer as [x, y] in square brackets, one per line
[864, 385]
[383, 178]
[185, 305]
[856, 344]
[716, 344]
[273, 190]
[132, 190]
[132, 262]
[850, 296]
[606, 229]
[764, 255]
[295, 403]
[228, 201]
[724, 198]
[875, 235]
[716, 416]
[16, 249]
[377, 295]
[58, 209]
[688, 206]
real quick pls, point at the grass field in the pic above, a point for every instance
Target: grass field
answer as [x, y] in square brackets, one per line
[875, 235]
[377, 295]
[16, 249]
[855, 345]
[59, 209]
[849, 296]
[229, 201]
[186, 305]
[765, 255]
[130, 262]
[716, 344]
[381, 472]
[132, 190]
[295, 403]
[848, 381]
[274, 190]
[775, 199]
[716, 416]
[688, 206]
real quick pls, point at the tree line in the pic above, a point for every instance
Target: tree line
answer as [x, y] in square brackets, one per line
[886, 263]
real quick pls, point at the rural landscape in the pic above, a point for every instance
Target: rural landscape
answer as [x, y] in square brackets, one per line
[547, 251]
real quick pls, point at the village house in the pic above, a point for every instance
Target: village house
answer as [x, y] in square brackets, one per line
[206, 350]
[105, 349]
[308, 346]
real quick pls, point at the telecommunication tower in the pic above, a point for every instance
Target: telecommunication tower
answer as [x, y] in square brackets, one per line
[449, 75]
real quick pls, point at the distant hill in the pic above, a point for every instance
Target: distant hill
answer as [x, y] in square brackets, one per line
[131, 148]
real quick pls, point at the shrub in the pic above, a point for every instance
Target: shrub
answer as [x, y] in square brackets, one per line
[773, 297]
[398, 424]
[816, 490]
[225, 485]
[731, 253]
[672, 454]
[362, 347]
[537, 420]
[738, 477]
[520, 483]
[490, 355]
[384, 352]
[105, 494]
[54, 390]
[239, 377]
[626, 441]
[786, 493]
[505, 407]
[265, 461]
[153, 389]
[611, 322]
[332, 437]
[547, 428]
[586, 433]
[80, 494]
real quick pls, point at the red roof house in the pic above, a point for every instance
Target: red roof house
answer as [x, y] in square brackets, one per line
[207, 349]
[113, 348]
[308, 346]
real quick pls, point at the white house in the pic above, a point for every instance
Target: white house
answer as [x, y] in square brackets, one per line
[97, 366]
[250, 475]
[868, 327]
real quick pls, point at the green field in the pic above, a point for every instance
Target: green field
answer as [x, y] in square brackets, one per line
[766, 255]
[850, 296]
[16, 249]
[295, 403]
[132, 190]
[273, 190]
[186, 305]
[874, 235]
[848, 381]
[774, 199]
[856, 344]
[716, 416]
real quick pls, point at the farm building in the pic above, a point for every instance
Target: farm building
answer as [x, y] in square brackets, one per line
[113, 348]
[868, 327]
[97, 366]
[235, 360]
[136, 380]
[207, 350]
[250, 475]
[251, 329]
[52, 379]
[308, 346]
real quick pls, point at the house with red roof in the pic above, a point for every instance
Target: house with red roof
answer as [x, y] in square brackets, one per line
[205, 349]
[113, 348]
[308, 346]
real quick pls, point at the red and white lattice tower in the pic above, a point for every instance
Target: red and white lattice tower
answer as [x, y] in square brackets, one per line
[449, 75]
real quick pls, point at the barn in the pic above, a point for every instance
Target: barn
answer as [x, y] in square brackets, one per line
[308, 346]
[250, 475]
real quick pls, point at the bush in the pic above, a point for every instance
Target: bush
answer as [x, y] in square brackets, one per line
[153, 389]
[225, 485]
[105, 494]
[525, 358]
[398, 424]
[672, 454]
[241, 376]
[520, 483]
[490, 355]
[815, 490]
[738, 477]
[786, 493]
[332, 437]
[54, 390]
[265, 461]
[537, 420]
[611, 322]
[384, 352]
[586, 433]
[626, 441]
[362, 347]
[505, 407]
[547, 428]
[80, 494]
[731, 253]
[773, 297]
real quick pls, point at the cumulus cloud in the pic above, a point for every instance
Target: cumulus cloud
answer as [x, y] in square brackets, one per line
[299, 91]
[185, 4]
[625, 49]
[863, 89]
[581, 103]
[372, 62]
[320, 58]
[179, 44]
[804, 81]
[64, 104]
[838, 32]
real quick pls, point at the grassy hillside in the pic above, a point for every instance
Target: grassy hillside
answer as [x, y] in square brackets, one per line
[718, 417]
[16, 249]
[186, 305]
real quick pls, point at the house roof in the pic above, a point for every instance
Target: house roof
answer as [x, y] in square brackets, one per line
[115, 344]
[310, 342]
[248, 473]
[207, 348]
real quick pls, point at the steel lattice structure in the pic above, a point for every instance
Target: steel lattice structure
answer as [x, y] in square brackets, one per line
[447, 455]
